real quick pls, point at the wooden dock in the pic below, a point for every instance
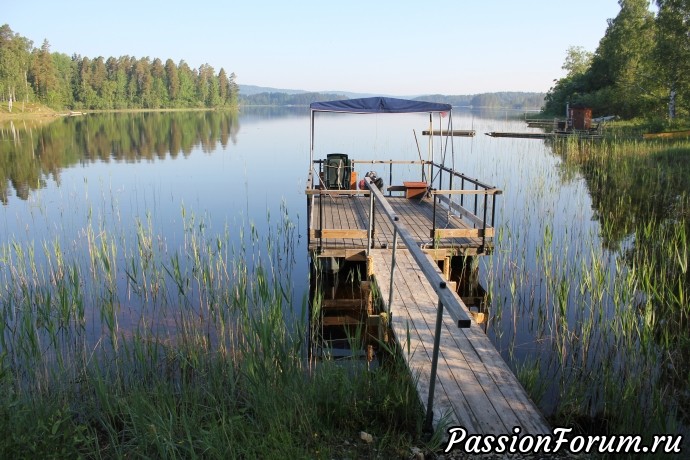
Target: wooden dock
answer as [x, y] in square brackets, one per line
[404, 241]
[475, 388]
[550, 135]
[452, 132]
[343, 230]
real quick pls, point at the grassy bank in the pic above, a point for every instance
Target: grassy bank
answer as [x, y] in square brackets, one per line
[117, 346]
[28, 110]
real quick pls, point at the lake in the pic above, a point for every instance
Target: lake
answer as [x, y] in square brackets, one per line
[551, 281]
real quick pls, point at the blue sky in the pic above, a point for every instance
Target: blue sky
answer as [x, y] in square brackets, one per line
[397, 48]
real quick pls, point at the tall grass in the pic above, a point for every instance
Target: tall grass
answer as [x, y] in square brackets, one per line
[606, 305]
[121, 346]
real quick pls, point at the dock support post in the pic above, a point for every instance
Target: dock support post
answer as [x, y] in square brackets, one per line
[390, 289]
[429, 422]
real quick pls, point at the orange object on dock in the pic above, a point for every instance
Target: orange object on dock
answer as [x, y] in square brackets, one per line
[353, 180]
[415, 189]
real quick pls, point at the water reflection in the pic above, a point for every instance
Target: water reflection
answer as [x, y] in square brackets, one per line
[33, 154]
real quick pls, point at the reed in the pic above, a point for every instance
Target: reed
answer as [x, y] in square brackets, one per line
[606, 302]
[122, 345]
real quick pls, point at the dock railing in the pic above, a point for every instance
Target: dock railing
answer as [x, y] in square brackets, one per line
[482, 228]
[469, 206]
[446, 299]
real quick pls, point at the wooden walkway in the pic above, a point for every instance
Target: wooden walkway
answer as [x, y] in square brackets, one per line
[475, 388]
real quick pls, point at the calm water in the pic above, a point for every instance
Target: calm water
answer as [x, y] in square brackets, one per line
[233, 171]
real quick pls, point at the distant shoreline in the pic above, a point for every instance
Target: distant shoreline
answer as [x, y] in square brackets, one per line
[43, 112]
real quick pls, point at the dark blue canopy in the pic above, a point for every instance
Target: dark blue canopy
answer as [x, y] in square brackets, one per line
[379, 105]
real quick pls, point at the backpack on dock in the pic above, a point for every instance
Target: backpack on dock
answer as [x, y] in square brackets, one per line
[337, 171]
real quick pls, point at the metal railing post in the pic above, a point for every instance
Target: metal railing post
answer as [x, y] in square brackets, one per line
[321, 187]
[476, 197]
[395, 246]
[433, 220]
[486, 199]
[371, 220]
[428, 423]
[450, 197]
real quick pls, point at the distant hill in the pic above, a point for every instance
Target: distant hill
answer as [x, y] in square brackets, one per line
[284, 99]
[505, 99]
[250, 90]
[261, 95]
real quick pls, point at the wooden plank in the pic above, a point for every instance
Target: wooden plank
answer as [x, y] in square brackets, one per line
[327, 233]
[452, 133]
[461, 232]
[484, 395]
[342, 304]
[352, 254]
[341, 320]
[326, 192]
[478, 414]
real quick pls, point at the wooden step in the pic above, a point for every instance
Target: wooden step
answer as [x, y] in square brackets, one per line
[342, 304]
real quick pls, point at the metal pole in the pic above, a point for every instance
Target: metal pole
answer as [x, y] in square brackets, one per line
[433, 227]
[390, 177]
[450, 187]
[486, 199]
[440, 177]
[476, 197]
[320, 207]
[371, 216]
[390, 289]
[434, 364]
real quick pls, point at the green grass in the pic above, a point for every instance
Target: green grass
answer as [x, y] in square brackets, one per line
[126, 348]
[638, 126]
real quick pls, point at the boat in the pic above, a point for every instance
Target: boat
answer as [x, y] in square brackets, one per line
[667, 135]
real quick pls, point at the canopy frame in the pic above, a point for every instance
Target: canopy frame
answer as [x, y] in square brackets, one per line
[376, 105]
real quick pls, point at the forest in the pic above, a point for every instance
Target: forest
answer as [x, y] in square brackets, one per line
[59, 81]
[640, 69]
